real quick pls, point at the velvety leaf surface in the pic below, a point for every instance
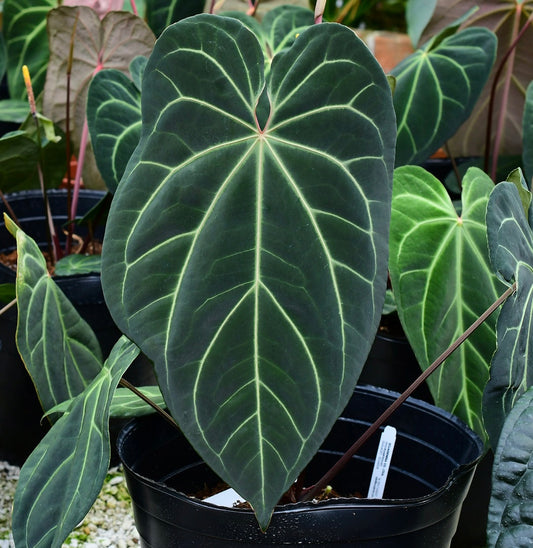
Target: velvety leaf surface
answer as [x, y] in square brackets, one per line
[24, 28]
[442, 281]
[59, 349]
[114, 120]
[418, 13]
[436, 90]
[511, 251]
[511, 505]
[59, 482]
[73, 265]
[505, 18]
[111, 43]
[246, 253]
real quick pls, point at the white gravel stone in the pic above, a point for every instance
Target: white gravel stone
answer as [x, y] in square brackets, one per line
[109, 524]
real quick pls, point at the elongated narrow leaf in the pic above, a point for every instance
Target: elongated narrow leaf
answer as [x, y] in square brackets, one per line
[114, 120]
[63, 476]
[24, 28]
[511, 250]
[125, 403]
[246, 250]
[418, 14]
[436, 90]
[442, 281]
[511, 504]
[59, 349]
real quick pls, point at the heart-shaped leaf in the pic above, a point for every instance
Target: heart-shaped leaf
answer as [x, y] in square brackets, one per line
[505, 18]
[436, 90]
[24, 28]
[511, 503]
[442, 281]
[114, 120]
[111, 43]
[527, 129]
[59, 349]
[246, 247]
[511, 250]
[61, 479]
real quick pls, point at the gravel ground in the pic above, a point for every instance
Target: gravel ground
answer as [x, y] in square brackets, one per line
[108, 524]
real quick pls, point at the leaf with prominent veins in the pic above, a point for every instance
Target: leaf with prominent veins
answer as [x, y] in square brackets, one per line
[251, 266]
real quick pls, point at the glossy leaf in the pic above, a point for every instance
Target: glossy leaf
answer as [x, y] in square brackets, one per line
[511, 250]
[505, 18]
[59, 349]
[527, 130]
[61, 479]
[511, 504]
[162, 13]
[24, 28]
[248, 259]
[442, 281]
[111, 43]
[436, 90]
[114, 120]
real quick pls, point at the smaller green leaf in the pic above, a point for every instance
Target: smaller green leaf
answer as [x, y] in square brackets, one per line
[72, 265]
[390, 303]
[517, 178]
[63, 476]
[125, 403]
[59, 349]
[417, 15]
[137, 67]
[161, 13]
[511, 504]
[7, 293]
[14, 110]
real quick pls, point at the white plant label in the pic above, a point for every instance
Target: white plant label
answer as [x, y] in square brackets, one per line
[227, 498]
[382, 463]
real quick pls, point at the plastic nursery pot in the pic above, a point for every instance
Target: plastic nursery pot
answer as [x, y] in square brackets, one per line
[21, 427]
[431, 470]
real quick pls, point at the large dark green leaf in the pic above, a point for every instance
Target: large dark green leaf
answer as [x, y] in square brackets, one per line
[442, 281]
[246, 254]
[161, 13]
[437, 88]
[24, 27]
[511, 504]
[58, 347]
[62, 477]
[511, 251]
[114, 120]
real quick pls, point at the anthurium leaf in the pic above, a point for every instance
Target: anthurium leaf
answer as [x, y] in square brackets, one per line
[114, 120]
[24, 28]
[417, 15]
[161, 13]
[72, 265]
[442, 281]
[63, 476]
[125, 403]
[7, 293]
[229, 253]
[3, 57]
[137, 67]
[13, 110]
[511, 503]
[59, 349]
[511, 251]
[111, 43]
[436, 91]
[527, 129]
[505, 18]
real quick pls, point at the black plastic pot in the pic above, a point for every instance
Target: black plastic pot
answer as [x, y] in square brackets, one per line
[432, 466]
[21, 427]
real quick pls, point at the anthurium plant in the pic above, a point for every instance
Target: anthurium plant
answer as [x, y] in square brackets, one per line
[245, 254]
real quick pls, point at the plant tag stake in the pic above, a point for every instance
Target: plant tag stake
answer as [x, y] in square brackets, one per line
[382, 463]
